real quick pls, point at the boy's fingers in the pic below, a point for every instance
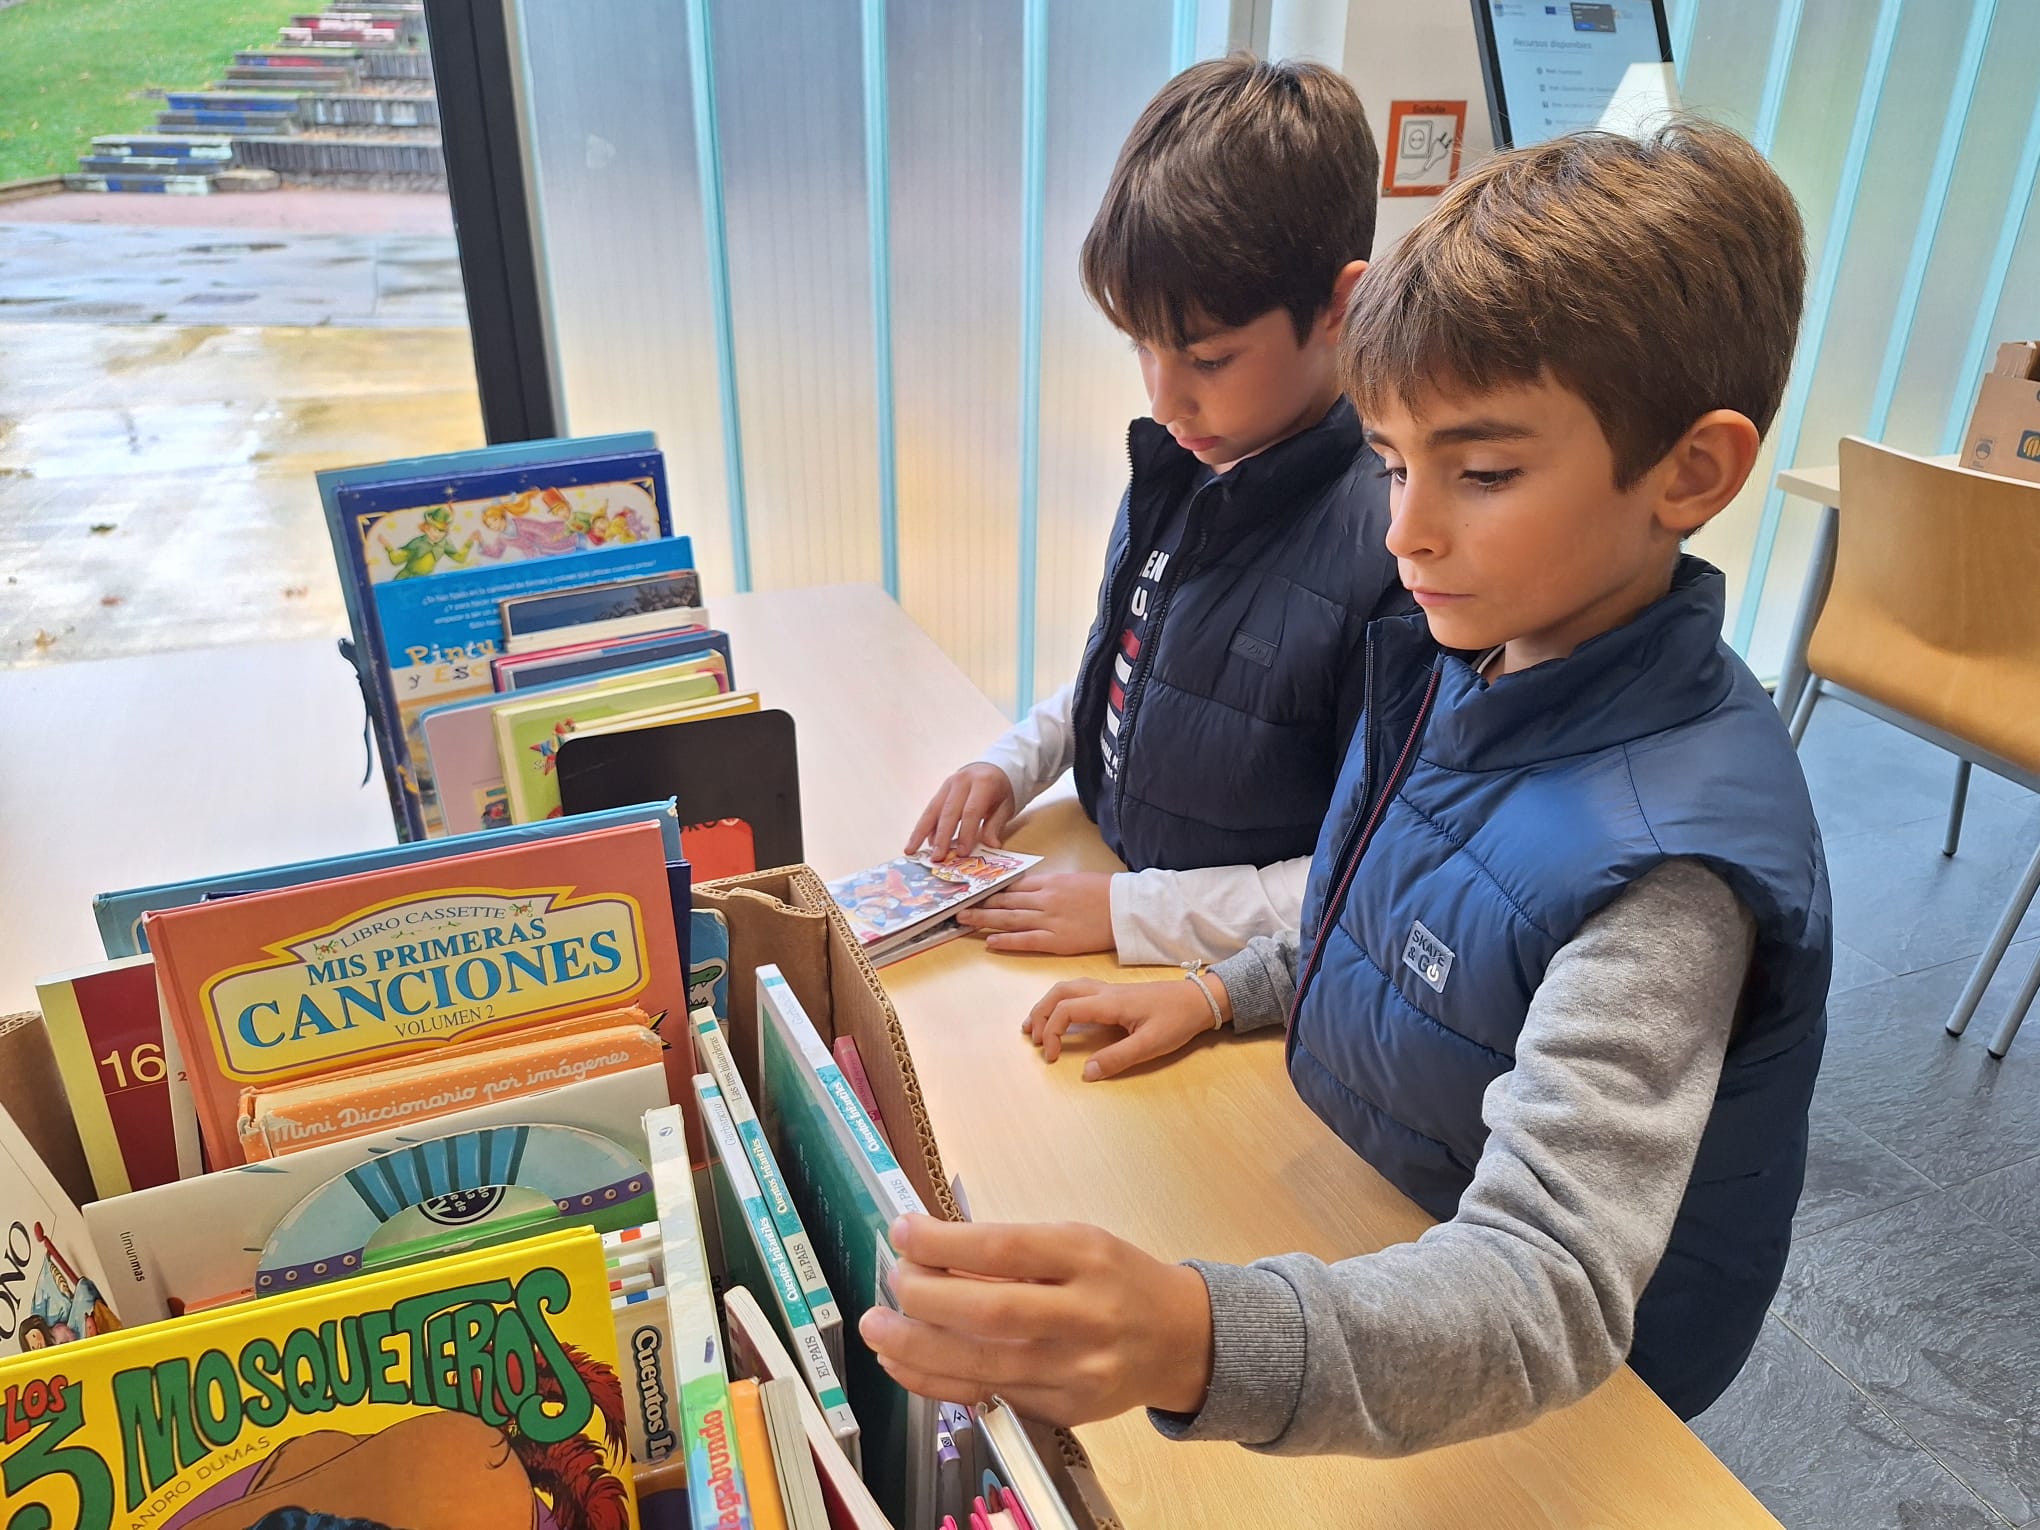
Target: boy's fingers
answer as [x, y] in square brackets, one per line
[1049, 1034]
[1023, 943]
[925, 824]
[1005, 1250]
[946, 820]
[1143, 1045]
[1045, 1005]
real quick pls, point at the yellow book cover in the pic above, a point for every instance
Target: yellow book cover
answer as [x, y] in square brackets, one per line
[478, 1392]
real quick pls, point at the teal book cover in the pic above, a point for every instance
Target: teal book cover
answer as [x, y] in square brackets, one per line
[848, 1189]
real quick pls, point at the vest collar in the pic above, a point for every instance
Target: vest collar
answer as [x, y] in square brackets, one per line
[1663, 668]
[1281, 479]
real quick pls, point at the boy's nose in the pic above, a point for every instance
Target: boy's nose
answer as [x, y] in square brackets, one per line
[1169, 401]
[1412, 530]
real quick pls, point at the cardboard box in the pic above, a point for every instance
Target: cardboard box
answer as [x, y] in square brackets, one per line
[2004, 432]
[785, 916]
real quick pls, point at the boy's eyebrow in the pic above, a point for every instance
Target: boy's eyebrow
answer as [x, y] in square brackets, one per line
[1470, 430]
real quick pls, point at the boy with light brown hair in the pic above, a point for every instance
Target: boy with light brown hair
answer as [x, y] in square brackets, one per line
[1563, 966]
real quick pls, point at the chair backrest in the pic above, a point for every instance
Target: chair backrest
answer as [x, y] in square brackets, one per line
[1935, 606]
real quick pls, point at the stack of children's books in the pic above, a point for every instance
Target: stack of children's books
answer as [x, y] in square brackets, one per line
[508, 601]
[432, 1190]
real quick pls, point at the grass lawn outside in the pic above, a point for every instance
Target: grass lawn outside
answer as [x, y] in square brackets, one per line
[70, 69]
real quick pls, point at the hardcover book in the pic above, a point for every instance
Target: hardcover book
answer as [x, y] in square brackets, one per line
[106, 1028]
[280, 986]
[468, 1393]
[529, 730]
[52, 1288]
[578, 661]
[120, 914]
[536, 457]
[460, 742]
[432, 639]
[716, 1494]
[414, 521]
[849, 1189]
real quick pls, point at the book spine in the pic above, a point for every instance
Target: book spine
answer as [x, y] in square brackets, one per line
[808, 1349]
[901, 1197]
[644, 1341]
[800, 1251]
[716, 1499]
[277, 1125]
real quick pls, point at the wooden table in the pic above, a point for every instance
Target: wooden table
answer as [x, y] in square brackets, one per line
[1209, 1154]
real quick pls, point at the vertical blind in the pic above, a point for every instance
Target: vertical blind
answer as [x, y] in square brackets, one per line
[827, 249]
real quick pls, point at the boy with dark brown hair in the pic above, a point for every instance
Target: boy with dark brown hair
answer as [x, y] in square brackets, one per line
[1563, 967]
[1220, 682]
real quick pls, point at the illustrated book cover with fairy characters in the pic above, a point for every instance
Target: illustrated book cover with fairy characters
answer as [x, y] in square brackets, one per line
[509, 510]
[480, 1392]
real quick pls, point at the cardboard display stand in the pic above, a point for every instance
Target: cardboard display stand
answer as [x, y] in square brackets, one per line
[786, 917]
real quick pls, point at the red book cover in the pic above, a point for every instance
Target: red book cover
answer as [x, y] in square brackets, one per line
[106, 1029]
[278, 986]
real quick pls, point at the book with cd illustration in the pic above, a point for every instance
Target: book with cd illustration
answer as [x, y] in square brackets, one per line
[451, 1194]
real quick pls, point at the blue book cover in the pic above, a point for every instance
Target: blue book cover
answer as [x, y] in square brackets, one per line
[434, 638]
[431, 517]
[510, 454]
[119, 914]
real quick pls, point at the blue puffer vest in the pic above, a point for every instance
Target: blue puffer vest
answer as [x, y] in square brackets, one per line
[1248, 686]
[1486, 824]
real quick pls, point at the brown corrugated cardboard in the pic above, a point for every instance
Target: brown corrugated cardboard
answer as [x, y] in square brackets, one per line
[32, 1092]
[2004, 431]
[786, 916]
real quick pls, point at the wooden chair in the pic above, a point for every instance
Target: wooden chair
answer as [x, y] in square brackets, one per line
[1932, 623]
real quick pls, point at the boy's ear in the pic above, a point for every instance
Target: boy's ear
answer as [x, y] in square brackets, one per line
[1706, 469]
[1342, 294]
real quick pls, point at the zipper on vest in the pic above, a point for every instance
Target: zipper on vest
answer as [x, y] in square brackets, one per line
[1137, 681]
[1355, 848]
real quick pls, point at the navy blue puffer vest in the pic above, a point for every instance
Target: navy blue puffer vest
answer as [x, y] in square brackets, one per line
[1248, 687]
[1476, 828]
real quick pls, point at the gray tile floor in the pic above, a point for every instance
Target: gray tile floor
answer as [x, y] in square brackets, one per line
[1897, 1382]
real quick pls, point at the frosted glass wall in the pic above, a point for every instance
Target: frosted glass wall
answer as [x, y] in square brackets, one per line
[966, 411]
[827, 250]
[1909, 130]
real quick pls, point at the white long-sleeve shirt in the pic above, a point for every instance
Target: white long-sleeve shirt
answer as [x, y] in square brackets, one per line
[1157, 916]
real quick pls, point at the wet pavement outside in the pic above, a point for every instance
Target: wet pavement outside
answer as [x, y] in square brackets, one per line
[167, 392]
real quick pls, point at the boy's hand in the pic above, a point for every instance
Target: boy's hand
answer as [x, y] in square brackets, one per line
[1158, 1018]
[1059, 913]
[1066, 1322]
[970, 809]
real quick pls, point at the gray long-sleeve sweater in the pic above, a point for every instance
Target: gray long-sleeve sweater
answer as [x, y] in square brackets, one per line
[1525, 1301]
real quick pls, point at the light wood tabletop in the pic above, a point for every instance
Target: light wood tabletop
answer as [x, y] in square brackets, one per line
[1823, 485]
[1210, 1153]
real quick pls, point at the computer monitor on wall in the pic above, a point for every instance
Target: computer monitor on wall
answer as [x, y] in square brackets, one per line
[1559, 68]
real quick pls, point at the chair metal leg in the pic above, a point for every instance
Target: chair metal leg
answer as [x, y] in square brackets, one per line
[1994, 953]
[1820, 573]
[2001, 1043]
[1802, 714]
[1955, 806]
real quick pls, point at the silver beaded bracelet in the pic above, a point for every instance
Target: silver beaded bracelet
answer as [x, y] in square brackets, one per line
[1193, 972]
